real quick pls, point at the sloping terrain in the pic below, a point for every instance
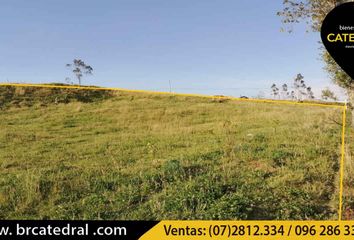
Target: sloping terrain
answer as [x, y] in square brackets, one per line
[143, 156]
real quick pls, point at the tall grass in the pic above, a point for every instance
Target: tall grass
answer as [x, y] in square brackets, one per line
[143, 156]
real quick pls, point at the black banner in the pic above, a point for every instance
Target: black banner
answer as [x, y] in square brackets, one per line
[55, 229]
[337, 35]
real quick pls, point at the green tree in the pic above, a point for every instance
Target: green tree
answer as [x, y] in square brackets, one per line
[275, 90]
[292, 95]
[328, 95]
[313, 13]
[299, 86]
[309, 93]
[79, 68]
[285, 91]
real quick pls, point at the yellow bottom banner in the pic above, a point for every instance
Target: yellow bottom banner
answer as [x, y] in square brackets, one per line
[284, 230]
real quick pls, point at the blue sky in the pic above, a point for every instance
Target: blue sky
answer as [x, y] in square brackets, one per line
[230, 47]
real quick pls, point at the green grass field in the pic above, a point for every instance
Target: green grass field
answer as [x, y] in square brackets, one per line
[143, 156]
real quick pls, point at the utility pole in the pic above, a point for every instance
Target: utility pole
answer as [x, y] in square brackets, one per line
[169, 81]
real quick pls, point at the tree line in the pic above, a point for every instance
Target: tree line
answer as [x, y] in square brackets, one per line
[300, 91]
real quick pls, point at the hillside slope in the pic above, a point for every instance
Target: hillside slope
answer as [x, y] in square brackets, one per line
[144, 156]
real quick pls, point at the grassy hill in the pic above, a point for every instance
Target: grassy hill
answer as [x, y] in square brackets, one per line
[70, 154]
